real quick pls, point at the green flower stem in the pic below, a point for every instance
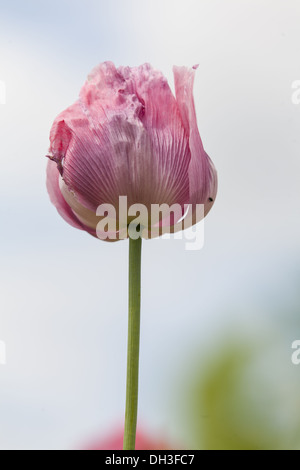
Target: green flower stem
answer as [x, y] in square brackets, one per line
[134, 307]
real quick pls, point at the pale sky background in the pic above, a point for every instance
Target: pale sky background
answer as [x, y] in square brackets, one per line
[63, 297]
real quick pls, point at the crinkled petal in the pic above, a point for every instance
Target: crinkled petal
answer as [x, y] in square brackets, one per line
[127, 139]
[202, 173]
[161, 118]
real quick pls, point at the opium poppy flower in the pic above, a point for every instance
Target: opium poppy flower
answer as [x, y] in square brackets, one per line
[126, 160]
[128, 136]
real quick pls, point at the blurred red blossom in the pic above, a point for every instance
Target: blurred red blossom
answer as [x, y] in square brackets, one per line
[144, 441]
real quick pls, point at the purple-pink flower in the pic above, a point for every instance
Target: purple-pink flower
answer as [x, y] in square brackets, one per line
[128, 135]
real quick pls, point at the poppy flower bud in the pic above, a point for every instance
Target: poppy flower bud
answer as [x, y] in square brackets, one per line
[128, 138]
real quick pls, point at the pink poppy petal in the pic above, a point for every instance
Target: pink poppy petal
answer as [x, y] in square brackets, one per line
[57, 199]
[133, 142]
[60, 203]
[161, 118]
[202, 173]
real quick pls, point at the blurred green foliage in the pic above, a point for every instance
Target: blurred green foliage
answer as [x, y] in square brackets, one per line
[244, 397]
